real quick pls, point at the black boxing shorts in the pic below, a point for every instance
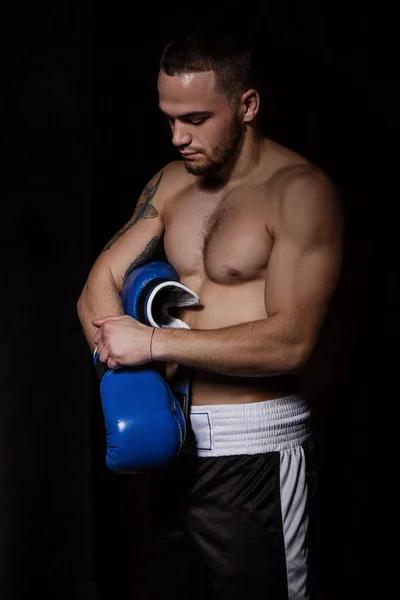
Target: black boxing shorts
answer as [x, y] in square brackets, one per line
[230, 519]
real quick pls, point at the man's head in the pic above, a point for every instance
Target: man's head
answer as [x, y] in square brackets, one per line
[207, 90]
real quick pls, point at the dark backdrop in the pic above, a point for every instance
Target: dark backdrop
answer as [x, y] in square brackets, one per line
[81, 135]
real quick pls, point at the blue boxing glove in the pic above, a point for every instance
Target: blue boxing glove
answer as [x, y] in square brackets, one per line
[150, 292]
[145, 424]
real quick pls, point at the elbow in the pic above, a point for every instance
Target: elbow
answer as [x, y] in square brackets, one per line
[299, 356]
[80, 306]
[290, 359]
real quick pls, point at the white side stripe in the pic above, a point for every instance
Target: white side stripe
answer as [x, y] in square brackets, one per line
[293, 485]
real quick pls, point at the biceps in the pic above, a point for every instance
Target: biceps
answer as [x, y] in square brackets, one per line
[300, 282]
[132, 246]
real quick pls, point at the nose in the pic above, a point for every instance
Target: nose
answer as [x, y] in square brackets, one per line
[180, 134]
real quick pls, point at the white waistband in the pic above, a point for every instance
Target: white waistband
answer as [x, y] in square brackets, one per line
[252, 428]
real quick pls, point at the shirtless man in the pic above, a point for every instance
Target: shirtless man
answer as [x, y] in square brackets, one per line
[256, 231]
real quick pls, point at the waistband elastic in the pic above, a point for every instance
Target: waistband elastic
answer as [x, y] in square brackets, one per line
[250, 428]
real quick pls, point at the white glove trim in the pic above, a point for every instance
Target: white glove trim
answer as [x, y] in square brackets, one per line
[193, 300]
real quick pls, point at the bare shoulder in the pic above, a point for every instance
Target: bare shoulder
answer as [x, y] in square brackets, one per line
[308, 183]
[175, 177]
[288, 174]
[177, 182]
[174, 168]
[165, 182]
[308, 201]
[157, 194]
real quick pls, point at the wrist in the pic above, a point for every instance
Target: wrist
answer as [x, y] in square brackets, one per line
[158, 344]
[151, 344]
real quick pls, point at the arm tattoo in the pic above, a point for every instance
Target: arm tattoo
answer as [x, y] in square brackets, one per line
[145, 210]
[142, 259]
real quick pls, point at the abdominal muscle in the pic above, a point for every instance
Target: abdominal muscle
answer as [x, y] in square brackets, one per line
[224, 306]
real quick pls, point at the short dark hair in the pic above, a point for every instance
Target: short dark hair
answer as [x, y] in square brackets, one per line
[214, 47]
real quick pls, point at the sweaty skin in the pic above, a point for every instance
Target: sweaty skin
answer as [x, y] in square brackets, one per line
[260, 244]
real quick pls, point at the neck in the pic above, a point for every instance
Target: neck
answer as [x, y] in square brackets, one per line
[246, 159]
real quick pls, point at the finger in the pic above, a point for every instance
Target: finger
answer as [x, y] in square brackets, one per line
[97, 337]
[113, 364]
[99, 348]
[99, 322]
[104, 355]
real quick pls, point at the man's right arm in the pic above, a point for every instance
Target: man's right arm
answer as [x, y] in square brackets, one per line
[131, 247]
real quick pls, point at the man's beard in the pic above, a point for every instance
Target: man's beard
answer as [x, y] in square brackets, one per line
[221, 154]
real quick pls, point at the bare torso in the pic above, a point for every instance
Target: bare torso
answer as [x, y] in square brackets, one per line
[219, 241]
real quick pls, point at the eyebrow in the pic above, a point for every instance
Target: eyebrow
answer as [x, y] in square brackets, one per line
[190, 115]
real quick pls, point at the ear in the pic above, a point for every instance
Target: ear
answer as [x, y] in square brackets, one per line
[251, 105]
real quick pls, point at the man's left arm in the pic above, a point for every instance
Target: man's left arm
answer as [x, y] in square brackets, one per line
[302, 275]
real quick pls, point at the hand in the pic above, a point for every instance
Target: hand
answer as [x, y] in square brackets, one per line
[122, 341]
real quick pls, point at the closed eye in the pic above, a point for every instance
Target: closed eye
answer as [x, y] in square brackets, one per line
[195, 122]
[193, 118]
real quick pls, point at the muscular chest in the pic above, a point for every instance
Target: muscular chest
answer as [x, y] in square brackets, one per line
[222, 239]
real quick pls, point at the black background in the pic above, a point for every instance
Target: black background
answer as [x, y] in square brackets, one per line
[81, 135]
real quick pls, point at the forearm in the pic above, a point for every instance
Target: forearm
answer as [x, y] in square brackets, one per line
[257, 349]
[99, 298]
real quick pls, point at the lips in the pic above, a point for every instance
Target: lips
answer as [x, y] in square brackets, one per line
[188, 154]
